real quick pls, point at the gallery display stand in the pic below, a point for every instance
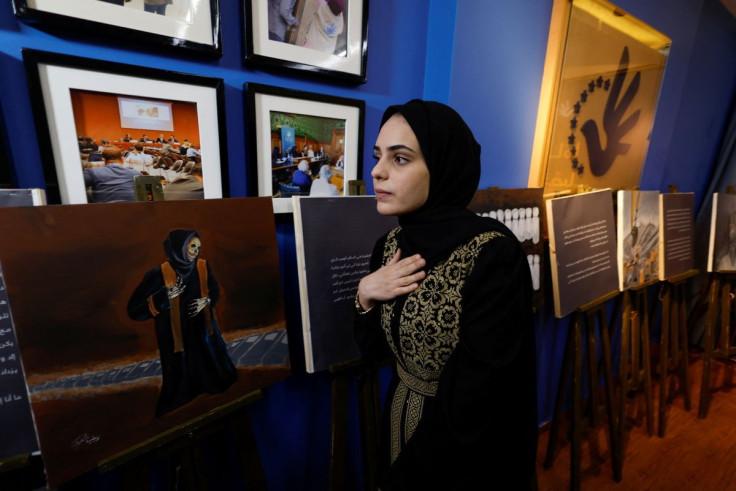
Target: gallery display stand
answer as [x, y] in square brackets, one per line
[369, 409]
[181, 448]
[673, 344]
[22, 472]
[722, 348]
[582, 325]
[635, 366]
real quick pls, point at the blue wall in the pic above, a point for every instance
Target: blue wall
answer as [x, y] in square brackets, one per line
[291, 421]
[484, 58]
[497, 65]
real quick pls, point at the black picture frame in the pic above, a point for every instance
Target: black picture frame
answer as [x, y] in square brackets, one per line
[198, 31]
[262, 99]
[264, 52]
[7, 176]
[51, 78]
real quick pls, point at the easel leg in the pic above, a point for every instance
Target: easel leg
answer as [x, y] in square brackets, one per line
[614, 440]
[708, 352]
[554, 431]
[646, 361]
[245, 444]
[137, 474]
[339, 423]
[663, 361]
[623, 370]
[593, 364]
[682, 327]
[576, 403]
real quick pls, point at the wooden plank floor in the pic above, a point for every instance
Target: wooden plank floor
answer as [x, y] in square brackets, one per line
[695, 454]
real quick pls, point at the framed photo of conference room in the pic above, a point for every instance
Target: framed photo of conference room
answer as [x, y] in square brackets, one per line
[106, 128]
[193, 25]
[324, 37]
[302, 144]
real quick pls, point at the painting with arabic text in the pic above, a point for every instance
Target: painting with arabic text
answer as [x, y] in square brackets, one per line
[172, 308]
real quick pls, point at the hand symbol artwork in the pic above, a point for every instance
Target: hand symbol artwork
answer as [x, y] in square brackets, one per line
[176, 289]
[195, 306]
[601, 159]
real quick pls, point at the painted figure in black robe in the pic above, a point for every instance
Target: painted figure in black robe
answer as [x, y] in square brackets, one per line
[180, 295]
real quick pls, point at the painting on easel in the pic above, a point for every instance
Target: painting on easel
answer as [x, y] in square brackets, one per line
[582, 249]
[522, 211]
[171, 308]
[334, 240]
[722, 245]
[677, 244]
[637, 237]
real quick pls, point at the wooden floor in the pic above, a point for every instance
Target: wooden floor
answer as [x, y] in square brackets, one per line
[695, 454]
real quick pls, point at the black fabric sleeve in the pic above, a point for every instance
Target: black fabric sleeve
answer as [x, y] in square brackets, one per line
[367, 326]
[151, 292]
[481, 427]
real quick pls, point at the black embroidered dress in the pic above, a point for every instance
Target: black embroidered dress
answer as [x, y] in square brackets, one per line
[461, 408]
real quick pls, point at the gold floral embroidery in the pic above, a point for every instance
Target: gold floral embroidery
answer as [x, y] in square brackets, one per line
[428, 332]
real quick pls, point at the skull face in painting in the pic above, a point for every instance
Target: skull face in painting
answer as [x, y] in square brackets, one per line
[193, 247]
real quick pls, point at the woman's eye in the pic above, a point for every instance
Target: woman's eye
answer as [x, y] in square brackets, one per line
[376, 157]
[400, 160]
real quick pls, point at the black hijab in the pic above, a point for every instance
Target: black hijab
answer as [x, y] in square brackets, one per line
[175, 247]
[453, 159]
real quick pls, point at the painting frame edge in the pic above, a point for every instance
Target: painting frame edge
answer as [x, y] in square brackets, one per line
[33, 16]
[256, 154]
[257, 57]
[33, 59]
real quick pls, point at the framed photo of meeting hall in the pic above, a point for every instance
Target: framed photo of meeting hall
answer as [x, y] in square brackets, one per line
[193, 25]
[302, 144]
[102, 124]
[322, 37]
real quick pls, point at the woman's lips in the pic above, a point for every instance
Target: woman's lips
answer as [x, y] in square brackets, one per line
[380, 194]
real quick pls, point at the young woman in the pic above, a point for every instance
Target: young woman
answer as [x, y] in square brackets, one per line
[449, 298]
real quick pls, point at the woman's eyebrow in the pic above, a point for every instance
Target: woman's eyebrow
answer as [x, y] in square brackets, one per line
[393, 148]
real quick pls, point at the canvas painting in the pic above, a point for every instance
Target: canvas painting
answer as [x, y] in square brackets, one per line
[722, 245]
[171, 308]
[637, 237]
[16, 422]
[676, 247]
[522, 211]
[582, 249]
[333, 254]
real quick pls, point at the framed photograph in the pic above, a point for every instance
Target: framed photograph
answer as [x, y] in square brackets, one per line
[102, 122]
[325, 37]
[193, 25]
[302, 144]
[7, 178]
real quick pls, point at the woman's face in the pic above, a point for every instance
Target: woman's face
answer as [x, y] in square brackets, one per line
[400, 176]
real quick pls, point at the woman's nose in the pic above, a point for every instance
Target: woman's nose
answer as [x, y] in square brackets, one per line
[377, 171]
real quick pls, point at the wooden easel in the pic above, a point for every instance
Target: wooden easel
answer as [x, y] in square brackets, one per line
[182, 444]
[23, 471]
[673, 344]
[724, 348]
[369, 413]
[635, 342]
[585, 317]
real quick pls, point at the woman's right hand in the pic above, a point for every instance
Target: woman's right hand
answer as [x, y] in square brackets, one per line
[398, 277]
